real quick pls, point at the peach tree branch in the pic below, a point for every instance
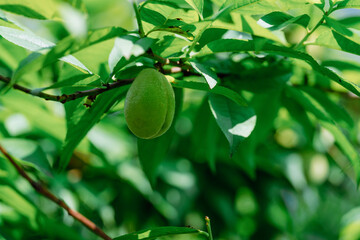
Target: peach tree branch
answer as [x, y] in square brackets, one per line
[49, 195]
[69, 97]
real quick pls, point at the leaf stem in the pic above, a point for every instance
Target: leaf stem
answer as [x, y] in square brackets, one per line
[195, 41]
[138, 19]
[49, 195]
[208, 226]
[314, 28]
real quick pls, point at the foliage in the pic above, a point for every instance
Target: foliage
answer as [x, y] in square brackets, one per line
[265, 136]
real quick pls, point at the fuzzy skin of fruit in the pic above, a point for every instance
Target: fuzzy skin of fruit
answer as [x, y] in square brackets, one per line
[149, 104]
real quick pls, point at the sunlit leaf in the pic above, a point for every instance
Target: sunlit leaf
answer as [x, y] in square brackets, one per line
[237, 122]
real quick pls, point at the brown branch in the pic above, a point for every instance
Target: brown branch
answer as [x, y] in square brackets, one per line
[69, 97]
[91, 92]
[49, 195]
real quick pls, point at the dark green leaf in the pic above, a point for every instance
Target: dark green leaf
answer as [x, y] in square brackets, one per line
[235, 45]
[207, 73]
[236, 122]
[266, 106]
[334, 111]
[154, 233]
[276, 18]
[22, 10]
[227, 92]
[311, 105]
[338, 26]
[153, 151]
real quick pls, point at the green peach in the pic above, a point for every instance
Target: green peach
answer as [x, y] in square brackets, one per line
[149, 104]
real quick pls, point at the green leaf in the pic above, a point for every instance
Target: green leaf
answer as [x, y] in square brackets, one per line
[153, 151]
[126, 47]
[335, 40]
[22, 10]
[234, 96]
[198, 5]
[36, 112]
[80, 80]
[81, 119]
[334, 111]
[153, 233]
[28, 151]
[236, 122]
[280, 20]
[340, 28]
[35, 43]
[266, 106]
[342, 65]
[347, 4]
[236, 45]
[207, 73]
[205, 136]
[254, 7]
[244, 23]
[156, 14]
[311, 105]
[346, 44]
[39, 9]
[24, 39]
[13, 198]
[276, 18]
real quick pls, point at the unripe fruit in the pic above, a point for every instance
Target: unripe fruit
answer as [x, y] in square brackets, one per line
[149, 104]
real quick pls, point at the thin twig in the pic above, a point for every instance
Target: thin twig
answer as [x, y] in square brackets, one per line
[49, 195]
[138, 18]
[69, 97]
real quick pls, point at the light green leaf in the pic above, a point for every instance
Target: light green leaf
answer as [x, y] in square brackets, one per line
[156, 14]
[126, 47]
[198, 5]
[254, 7]
[81, 119]
[236, 45]
[154, 233]
[350, 225]
[236, 122]
[245, 23]
[38, 9]
[28, 151]
[335, 40]
[36, 112]
[35, 43]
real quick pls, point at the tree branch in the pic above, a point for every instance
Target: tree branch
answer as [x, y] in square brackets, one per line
[49, 195]
[69, 97]
[95, 91]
